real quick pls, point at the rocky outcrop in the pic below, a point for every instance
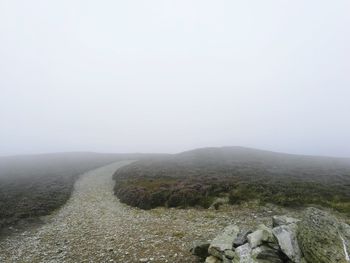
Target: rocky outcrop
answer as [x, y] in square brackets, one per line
[268, 254]
[323, 238]
[262, 235]
[317, 238]
[223, 241]
[287, 240]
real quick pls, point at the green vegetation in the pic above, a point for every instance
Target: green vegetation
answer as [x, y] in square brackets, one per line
[196, 178]
[293, 194]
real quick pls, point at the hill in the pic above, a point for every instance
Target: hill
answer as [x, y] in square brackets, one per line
[197, 177]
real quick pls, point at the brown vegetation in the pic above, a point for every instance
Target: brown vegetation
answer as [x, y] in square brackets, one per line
[195, 178]
[35, 185]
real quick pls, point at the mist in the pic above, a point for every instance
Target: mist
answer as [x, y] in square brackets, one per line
[168, 76]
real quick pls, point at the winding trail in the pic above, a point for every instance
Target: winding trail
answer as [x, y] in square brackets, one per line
[93, 226]
[85, 222]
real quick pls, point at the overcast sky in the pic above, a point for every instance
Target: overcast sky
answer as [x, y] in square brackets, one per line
[168, 76]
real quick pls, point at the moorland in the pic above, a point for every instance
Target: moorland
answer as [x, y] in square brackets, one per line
[35, 185]
[201, 176]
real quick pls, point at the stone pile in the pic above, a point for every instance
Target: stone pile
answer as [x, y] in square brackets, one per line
[316, 238]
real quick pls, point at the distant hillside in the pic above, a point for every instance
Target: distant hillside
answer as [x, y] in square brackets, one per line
[35, 185]
[196, 177]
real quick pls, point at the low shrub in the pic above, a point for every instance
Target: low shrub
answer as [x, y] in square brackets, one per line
[195, 178]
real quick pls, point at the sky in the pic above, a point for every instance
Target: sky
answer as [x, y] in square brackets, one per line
[169, 76]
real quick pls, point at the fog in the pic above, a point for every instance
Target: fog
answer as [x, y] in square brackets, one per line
[168, 76]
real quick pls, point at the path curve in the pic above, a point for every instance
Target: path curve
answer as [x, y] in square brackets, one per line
[80, 230]
[93, 226]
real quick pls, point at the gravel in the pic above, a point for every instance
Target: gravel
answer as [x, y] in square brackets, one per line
[93, 226]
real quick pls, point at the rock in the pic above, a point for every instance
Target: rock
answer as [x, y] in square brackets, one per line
[219, 202]
[258, 237]
[274, 246]
[200, 249]
[226, 260]
[322, 238]
[283, 220]
[271, 256]
[229, 254]
[243, 254]
[223, 241]
[212, 259]
[144, 260]
[268, 236]
[267, 254]
[241, 239]
[255, 238]
[287, 240]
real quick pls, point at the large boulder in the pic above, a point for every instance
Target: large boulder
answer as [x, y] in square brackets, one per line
[286, 236]
[322, 238]
[223, 241]
[283, 220]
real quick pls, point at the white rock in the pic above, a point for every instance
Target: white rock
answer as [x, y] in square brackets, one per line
[287, 240]
[212, 259]
[243, 254]
[223, 241]
[263, 234]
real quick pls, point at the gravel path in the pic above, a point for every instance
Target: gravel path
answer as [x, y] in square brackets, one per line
[94, 226]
